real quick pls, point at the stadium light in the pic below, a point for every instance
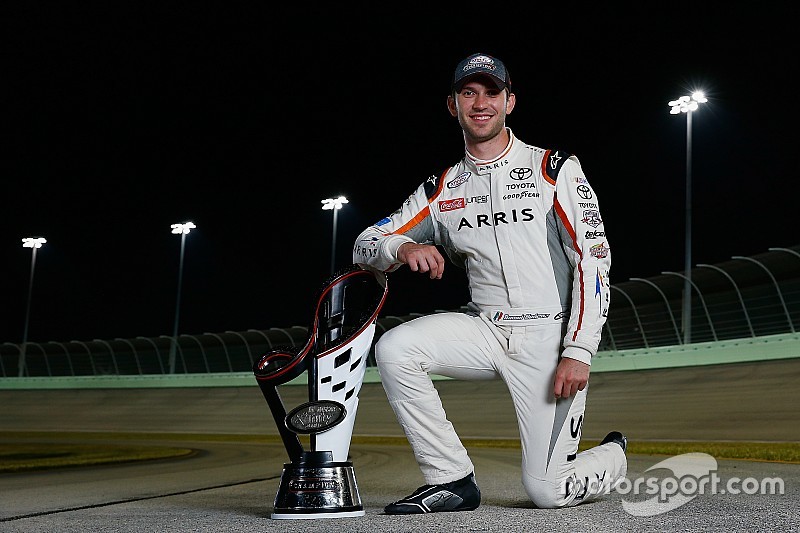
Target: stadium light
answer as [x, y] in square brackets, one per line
[334, 204]
[688, 105]
[182, 230]
[34, 243]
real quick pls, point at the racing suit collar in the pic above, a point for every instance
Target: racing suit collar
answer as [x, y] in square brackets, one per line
[476, 161]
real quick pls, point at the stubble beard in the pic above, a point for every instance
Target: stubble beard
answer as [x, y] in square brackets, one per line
[473, 135]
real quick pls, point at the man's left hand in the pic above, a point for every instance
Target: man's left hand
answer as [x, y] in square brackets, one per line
[571, 376]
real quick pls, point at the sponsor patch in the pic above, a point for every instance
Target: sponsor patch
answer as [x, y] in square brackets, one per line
[591, 217]
[492, 166]
[512, 186]
[459, 180]
[498, 217]
[520, 174]
[499, 315]
[452, 204]
[430, 186]
[584, 191]
[554, 159]
[520, 195]
[599, 250]
[480, 199]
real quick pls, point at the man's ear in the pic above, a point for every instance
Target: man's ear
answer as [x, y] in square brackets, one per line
[451, 106]
[511, 102]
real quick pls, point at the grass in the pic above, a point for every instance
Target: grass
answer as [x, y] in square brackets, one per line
[24, 457]
[782, 452]
[25, 451]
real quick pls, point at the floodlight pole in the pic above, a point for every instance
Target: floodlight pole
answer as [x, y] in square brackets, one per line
[334, 204]
[183, 230]
[687, 264]
[688, 105]
[34, 243]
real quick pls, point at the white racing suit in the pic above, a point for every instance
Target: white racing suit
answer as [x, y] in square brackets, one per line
[528, 230]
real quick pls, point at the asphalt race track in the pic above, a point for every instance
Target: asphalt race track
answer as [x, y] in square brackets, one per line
[230, 486]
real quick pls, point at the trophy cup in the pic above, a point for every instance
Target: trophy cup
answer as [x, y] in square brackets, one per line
[320, 482]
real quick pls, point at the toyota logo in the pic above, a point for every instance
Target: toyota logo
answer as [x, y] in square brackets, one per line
[584, 191]
[520, 174]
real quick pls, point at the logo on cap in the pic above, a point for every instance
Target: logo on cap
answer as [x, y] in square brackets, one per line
[481, 64]
[484, 62]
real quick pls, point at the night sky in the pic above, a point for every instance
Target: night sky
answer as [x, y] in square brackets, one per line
[122, 118]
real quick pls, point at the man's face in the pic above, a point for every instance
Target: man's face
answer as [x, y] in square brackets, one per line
[481, 109]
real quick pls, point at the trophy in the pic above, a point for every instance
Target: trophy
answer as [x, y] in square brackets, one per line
[319, 482]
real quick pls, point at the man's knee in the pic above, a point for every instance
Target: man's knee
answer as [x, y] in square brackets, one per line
[393, 347]
[544, 494]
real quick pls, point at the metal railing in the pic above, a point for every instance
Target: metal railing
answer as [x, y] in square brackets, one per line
[740, 298]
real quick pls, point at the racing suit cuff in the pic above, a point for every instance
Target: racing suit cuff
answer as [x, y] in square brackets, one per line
[579, 354]
[392, 243]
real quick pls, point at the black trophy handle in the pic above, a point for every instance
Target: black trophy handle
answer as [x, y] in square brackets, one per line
[330, 316]
[290, 439]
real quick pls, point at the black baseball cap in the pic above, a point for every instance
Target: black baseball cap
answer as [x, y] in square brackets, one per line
[482, 64]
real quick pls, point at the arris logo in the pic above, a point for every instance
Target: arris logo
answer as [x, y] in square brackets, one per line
[498, 217]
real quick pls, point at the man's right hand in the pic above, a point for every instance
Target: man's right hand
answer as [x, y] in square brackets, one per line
[422, 258]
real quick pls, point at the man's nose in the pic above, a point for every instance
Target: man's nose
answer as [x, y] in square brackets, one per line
[481, 101]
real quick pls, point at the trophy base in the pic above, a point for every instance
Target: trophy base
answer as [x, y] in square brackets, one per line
[317, 487]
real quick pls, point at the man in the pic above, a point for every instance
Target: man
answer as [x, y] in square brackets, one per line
[526, 225]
